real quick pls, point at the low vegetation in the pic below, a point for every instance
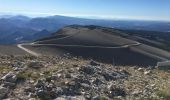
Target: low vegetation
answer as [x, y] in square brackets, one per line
[164, 92]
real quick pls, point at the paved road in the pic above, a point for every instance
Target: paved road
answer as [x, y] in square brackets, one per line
[21, 46]
[84, 46]
[134, 46]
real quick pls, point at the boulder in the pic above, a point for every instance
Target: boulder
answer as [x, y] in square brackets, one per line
[147, 72]
[93, 63]
[39, 83]
[29, 89]
[140, 69]
[88, 69]
[35, 64]
[85, 86]
[42, 94]
[68, 75]
[3, 92]
[116, 91]
[108, 76]
[10, 77]
[98, 81]
[8, 84]
[59, 91]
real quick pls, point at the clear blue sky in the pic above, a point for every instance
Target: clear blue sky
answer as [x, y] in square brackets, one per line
[128, 9]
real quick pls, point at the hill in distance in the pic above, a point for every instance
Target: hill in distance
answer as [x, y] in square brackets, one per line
[25, 27]
[103, 44]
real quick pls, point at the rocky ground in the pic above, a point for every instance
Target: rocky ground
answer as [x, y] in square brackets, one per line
[72, 78]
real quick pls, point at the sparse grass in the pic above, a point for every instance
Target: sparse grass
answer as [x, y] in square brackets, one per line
[164, 92]
[24, 75]
[28, 74]
[46, 72]
[163, 74]
[30, 57]
[102, 98]
[35, 74]
[159, 79]
[4, 68]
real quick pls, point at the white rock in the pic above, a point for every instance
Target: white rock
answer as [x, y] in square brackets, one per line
[58, 75]
[136, 92]
[31, 81]
[71, 98]
[16, 69]
[140, 69]
[147, 72]
[153, 85]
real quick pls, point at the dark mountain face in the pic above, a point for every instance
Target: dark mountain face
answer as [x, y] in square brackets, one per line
[20, 17]
[15, 29]
[45, 23]
[32, 28]
[41, 34]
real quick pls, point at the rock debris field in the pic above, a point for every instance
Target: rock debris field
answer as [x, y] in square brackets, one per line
[75, 78]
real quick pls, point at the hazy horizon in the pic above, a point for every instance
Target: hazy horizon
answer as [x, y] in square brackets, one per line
[8, 15]
[156, 10]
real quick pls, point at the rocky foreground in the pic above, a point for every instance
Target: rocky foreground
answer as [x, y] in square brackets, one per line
[71, 78]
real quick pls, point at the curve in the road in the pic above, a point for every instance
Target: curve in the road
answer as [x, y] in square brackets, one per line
[132, 44]
[27, 50]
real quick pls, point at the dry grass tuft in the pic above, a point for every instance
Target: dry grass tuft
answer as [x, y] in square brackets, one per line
[164, 91]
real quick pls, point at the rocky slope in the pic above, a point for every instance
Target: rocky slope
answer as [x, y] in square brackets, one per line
[72, 78]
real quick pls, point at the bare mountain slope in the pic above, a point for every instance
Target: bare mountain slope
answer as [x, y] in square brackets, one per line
[11, 50]
[104, 43]
[100, 43]
[89, 37]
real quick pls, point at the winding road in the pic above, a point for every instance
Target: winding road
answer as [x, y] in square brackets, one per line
[155, 53]
[21, 46]
[27, 50]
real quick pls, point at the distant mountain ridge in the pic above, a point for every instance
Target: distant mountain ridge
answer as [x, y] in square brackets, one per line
[30, 28]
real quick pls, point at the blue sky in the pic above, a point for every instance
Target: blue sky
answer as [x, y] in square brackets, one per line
[116, 9]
